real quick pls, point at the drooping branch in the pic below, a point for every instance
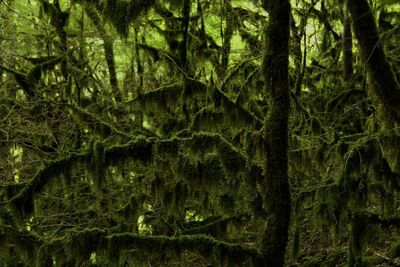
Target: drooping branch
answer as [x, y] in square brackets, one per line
[203, 244]
[140, 148]
[29, 81]
[168, 98]
[22, 201]
[99, 126]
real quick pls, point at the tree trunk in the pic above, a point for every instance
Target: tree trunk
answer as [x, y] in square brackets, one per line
[347, 45]
[385, 88]
[108, 51]
[277, 195]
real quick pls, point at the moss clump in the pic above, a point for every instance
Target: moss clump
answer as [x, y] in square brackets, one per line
[122, 13]
[81, 244]
[98, 166]
[394, 252]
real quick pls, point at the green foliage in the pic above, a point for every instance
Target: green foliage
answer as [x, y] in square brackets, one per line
[169, 169]
[391, 2]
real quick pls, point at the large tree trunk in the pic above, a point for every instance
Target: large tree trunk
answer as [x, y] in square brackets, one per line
[385, 88]
[277, 194]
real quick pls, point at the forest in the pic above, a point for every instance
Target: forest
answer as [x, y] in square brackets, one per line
[199, 133]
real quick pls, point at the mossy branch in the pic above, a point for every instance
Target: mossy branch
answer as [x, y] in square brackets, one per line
[233, 109]
[113, 243]
[140, 148]
[22, 202]
[99, 125]
[210, 225]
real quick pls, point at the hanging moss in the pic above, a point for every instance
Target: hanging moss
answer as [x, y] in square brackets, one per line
[22, 202]
[4, 246]
[161, 99]
[98, 166]
[211, 174]
[168, 200]
[202, 142]
[238, 116]
[187, 167]
[131, 211]
[22, 81]
[215, 226]
[35, 73]
[167, 148]
[23, 244]
[227, 203]
[140, 148]
[81, 244]
[43, 258]
[207, 118]
[181, 194]
[231, 159]
[394, 252]
[201, 243]
[157, 187]
[357, 228]
[390, 145]
[122, 13]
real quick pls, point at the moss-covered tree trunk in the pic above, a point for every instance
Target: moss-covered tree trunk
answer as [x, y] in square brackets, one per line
[277, 195]
[385, 88]
[108, 51]
[347, 45]
[356, 231]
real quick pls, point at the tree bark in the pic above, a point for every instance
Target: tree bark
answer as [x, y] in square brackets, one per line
[385, 88]
[277, 194]
[347, 45]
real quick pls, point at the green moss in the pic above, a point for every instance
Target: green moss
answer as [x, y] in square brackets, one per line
[227, 203]
[163, 99]
[394, 252]
[4, 246]
[122, 13]
[81, 244]
[22, 202]
[232, 160]
[207, 118]
[98, 167]
[357, 228]
[370, 261]
[181, 194]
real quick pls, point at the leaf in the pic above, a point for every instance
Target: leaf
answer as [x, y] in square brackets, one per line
[390, 2]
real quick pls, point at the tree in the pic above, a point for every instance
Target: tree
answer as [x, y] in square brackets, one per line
[277, 195]
[386, 88]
